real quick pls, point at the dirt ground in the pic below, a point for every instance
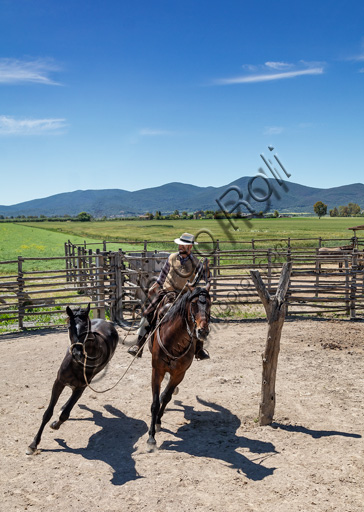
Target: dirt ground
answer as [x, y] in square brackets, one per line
[212, 455]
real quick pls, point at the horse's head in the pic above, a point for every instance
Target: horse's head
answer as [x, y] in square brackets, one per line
[79, 327]
[200, 305]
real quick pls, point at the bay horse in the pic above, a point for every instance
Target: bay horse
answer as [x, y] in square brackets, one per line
[173, 346]
[93, 343]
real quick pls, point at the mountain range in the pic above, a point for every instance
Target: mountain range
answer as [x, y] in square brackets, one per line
[285, 197]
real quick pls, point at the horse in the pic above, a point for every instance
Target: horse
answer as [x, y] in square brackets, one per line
[173, 345]
[337, 251]
[93, 343]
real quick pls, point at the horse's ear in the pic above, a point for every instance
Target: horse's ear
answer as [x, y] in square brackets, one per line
[208, 286]
[88, 308]
[69, 312]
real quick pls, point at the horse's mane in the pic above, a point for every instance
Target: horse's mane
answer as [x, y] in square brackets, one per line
[179, 308]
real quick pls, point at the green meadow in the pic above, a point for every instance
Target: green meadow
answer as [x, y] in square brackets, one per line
[167, 230]
[47, 239]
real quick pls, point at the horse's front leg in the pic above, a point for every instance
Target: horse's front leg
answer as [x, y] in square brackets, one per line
[67, 408]
[57, 389]
[167, 394]
[157, 377]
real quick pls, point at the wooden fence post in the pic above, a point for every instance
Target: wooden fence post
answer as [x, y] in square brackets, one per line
[275, 308]
[20, 293]
[354, 269]
[100, 292]
[269, 270]
[347, 285]
[318, 270]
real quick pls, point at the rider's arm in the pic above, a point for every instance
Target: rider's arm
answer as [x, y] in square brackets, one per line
[163, 273]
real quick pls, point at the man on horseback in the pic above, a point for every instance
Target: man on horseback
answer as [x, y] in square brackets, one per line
[180, 267]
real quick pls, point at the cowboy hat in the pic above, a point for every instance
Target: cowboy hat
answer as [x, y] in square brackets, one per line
[186, 239]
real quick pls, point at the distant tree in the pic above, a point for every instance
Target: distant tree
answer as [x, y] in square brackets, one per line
[343, 211]
[320, 209]
[176, 213]
[334, 212]
[185, 214]
[276, 213]
[158, 214]
[353, 209]
[84, 217]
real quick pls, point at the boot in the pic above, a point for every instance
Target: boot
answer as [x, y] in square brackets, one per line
[133, 351]
[200, 352]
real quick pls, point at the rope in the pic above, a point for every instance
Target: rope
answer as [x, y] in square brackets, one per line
[136, 355]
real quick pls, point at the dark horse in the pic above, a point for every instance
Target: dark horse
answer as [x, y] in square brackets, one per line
[173, 347]
[95, 339]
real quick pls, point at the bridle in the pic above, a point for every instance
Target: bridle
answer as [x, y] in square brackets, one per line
[89, 336]
[202, 301]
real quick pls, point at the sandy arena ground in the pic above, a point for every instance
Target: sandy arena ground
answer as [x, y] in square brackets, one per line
[212, 455]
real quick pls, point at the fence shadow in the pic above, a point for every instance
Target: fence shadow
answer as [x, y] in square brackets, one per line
[113, 444]
[315, 434]
[212, 434]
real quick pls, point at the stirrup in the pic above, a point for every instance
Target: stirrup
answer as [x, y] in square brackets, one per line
[133, 351]
[202, 354]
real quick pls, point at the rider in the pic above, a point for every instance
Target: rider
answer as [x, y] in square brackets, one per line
[177, 270]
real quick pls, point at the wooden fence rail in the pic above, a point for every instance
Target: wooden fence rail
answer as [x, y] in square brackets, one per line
[116, 282]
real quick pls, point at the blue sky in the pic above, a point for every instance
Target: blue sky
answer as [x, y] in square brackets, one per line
[132, 94]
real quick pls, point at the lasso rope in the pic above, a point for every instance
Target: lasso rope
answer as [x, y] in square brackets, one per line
[132, 361]
[194, 282]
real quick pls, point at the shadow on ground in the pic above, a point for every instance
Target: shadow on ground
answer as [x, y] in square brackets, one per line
[113, 444]
[316, 434]
[212, 434]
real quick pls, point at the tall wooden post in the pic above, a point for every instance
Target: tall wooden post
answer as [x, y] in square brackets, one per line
[275, 308]
[20, 294]
[354, 269]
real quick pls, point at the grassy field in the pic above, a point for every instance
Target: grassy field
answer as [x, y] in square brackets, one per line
[47, 239]
[32, 242]
[259, 229]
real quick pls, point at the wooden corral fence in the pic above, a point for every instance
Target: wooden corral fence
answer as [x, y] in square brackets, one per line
[115, 282]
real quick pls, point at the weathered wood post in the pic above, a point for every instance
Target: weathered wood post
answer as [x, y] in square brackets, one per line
[353, 286]
[347, 285]
[100, 291]
[275, 308]
[20, 294]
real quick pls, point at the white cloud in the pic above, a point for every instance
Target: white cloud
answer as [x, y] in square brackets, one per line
[273, 130]
[278, 65]
[13, 71]
[11, 126]
[269, 77]
[147, 132]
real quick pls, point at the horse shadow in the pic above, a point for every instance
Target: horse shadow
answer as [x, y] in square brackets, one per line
[212, 434]
[113, 444]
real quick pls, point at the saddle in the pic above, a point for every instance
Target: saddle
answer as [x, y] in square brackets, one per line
[157, 309]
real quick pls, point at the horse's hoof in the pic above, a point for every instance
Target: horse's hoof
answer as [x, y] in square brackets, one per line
[55, 425]
[31, 450]
[176, 391]
[151, 441]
